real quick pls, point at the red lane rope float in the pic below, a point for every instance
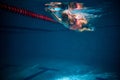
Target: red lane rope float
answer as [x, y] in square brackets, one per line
[24, 12]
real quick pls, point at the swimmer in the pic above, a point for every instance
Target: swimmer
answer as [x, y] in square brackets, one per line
[73, 21]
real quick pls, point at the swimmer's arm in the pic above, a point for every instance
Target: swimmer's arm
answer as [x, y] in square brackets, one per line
[47, 4]
[58, 3]
[53, 3]
[84, 29]
[58, 19]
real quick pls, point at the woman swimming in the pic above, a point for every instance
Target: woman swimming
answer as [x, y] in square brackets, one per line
[69, 17]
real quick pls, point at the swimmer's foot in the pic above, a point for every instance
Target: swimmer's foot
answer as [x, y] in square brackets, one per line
[86, 29]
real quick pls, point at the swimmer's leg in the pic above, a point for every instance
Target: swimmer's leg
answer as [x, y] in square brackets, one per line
[85, 29]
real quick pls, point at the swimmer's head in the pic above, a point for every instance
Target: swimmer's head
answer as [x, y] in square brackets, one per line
[64, 17]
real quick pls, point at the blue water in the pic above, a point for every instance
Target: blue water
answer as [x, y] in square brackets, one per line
[71, 55]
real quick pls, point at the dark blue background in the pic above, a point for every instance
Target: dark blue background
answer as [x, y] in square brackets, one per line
[100, 48]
